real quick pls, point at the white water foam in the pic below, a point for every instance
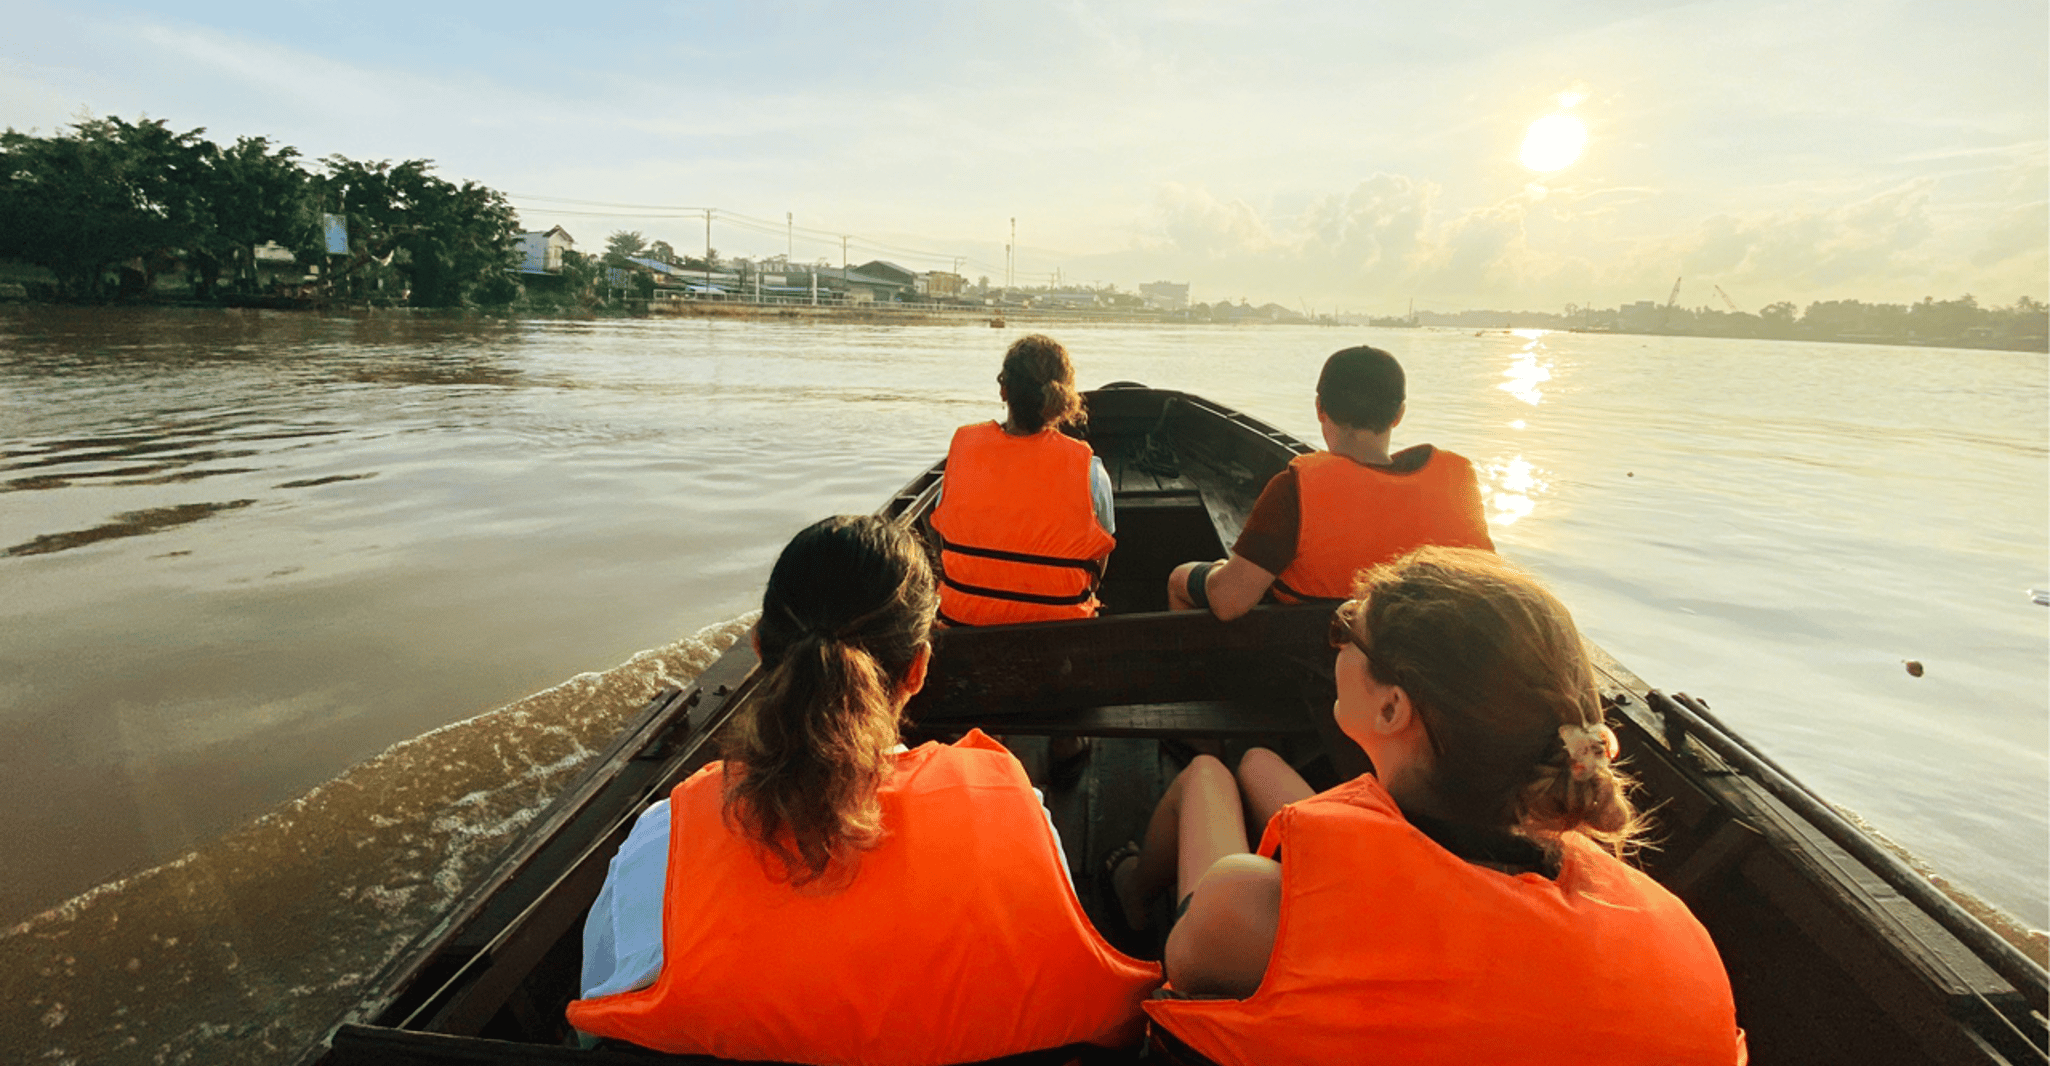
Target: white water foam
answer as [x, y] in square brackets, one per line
[245, 949]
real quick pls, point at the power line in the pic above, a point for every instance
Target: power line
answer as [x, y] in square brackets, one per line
[602, 203]
[699, 213]
[752, 224]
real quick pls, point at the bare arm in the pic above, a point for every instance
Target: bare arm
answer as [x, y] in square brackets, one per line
[1232, 587]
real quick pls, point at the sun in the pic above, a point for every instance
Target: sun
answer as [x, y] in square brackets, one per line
[1553, 142]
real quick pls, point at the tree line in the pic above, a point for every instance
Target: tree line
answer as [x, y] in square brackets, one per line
[107, 206]
[1961, 322]
[1931, 320]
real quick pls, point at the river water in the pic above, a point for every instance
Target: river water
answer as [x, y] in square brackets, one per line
[244, 552]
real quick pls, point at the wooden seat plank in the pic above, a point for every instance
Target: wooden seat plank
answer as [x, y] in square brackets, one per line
[1193, 718]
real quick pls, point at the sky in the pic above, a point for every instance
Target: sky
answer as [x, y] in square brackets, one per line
[1332, 156]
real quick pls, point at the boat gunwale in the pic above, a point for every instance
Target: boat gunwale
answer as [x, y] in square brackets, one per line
[1786, 859]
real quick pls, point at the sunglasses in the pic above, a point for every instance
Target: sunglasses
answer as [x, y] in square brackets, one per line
[1342, 631]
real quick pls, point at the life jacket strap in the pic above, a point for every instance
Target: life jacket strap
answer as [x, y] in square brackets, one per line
[1288, 595]
[1092, 567]
[1019, 597]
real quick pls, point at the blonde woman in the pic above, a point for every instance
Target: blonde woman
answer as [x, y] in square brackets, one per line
[1462, 903]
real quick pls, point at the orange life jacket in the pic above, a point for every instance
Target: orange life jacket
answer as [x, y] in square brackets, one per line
[1354, 516]
[1019, 540]
[1392, 949]
[958, 938]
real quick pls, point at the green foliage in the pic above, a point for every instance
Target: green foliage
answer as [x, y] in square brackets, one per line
[580, 276]
[622, 246]
[496, 290]
[440, 239]
[106, 191]
[254, 194]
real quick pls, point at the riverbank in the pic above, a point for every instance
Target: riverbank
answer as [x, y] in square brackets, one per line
[899, 314]
[936, 314]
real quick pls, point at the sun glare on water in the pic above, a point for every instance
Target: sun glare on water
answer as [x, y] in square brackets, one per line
[1553, 142]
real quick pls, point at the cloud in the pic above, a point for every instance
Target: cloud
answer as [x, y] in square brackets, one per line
[1392, 237]
[1210, 142]
[1386, 239]
[2016, 236]
[1195, 224]
[1874, 237]
[1376, 231]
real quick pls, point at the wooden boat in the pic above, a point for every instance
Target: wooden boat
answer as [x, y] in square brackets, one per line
[1838, 951]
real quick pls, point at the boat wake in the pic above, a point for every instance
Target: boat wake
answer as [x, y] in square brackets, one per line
[246, 948]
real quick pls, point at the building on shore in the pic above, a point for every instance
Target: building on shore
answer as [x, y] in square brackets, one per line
[541, 252]
[941, 285]
[1165, 295]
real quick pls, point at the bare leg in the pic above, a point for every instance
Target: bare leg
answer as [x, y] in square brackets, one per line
[1197, 822]
[1269, 783]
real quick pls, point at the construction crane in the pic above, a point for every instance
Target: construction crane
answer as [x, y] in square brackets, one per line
[1671, 297]
[1726, 299]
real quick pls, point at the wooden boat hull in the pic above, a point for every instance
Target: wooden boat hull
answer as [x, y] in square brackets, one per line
[1830, 960]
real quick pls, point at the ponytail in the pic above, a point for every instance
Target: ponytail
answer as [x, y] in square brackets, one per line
[1039, 385]
[848, 607]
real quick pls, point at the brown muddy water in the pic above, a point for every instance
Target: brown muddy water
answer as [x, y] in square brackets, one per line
[288, 602]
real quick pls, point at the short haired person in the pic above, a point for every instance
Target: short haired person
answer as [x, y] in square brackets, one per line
[1465, 901]
[1333, 513]
[1024, 522]
[824, 895]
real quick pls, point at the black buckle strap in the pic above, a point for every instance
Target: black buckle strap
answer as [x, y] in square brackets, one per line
[1019, 597]
[1281, 587]
[1092, 567]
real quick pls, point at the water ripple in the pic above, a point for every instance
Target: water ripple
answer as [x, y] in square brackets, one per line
[127, 524]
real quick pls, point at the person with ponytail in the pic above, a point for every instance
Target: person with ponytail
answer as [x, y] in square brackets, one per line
[825, 895]
[1025, 520]
[1469, 899]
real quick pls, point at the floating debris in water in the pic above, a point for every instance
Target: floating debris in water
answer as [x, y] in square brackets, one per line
[1914, 667]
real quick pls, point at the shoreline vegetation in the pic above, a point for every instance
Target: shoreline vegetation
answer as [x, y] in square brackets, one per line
[913, 314]
[109, 212]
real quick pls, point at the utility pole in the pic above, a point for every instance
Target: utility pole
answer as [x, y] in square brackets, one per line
[1011, 259]
[843, 258]
[789, 236]
[708, 251]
